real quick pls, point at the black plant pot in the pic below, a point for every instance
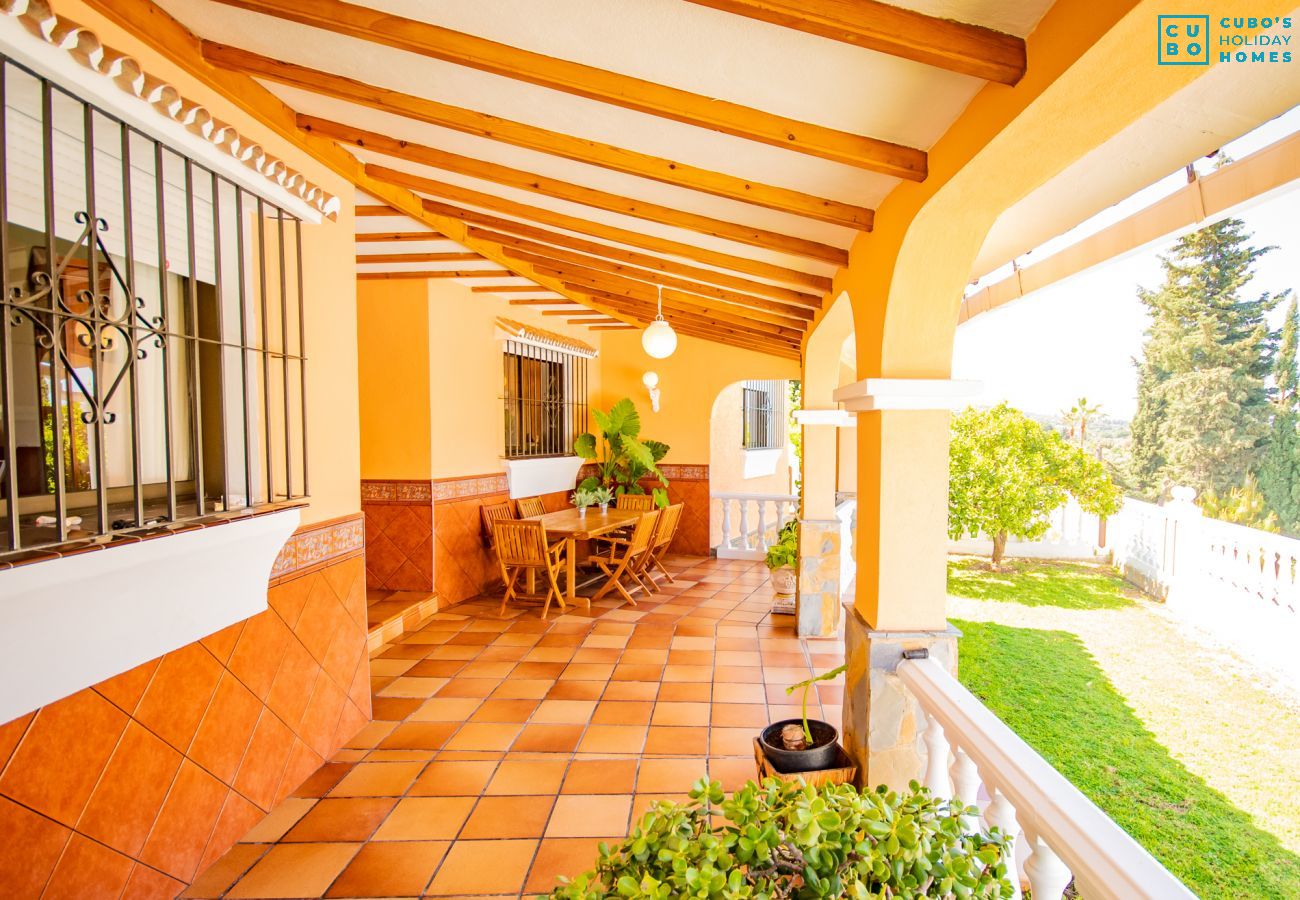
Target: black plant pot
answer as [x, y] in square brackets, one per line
[823, 754]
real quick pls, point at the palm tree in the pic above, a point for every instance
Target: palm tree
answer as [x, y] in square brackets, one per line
[1081, 413]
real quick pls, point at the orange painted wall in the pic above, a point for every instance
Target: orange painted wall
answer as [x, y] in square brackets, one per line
[393, 368]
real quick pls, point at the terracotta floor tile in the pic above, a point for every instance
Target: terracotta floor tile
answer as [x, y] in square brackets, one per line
[407, 686]
[425, 819]
[504, 711]
[522, 689]
[630, 672]
[339, 819]
[564, 712]
[739, 693]
[453, 778]
[539, 669]
[731, 741]
[483, 867]
[576, 690]
[393, 709]
[294, 870]
[600, 776]
[484, 736]
[419, 736]
[631, 690]
[596, 655]
[669, 775]
[371, 734]
[733, 772]
[685, 692]
[619, 712]
[377, 780]
[214, 881]
[462, 654]
[613, 739]
[508, 817]
[481, 668]
[643, 803]
[587, 672]
[468, 687]
[688, 673]
[390, 869]
[665, 740]
[690, 657]
[548, 739]
[528, 776]
[436, 668]
[563, 856]
[445, 709]
[589, 815]
[680, 714]
[278, 821]
[320, 782]
[739, 715]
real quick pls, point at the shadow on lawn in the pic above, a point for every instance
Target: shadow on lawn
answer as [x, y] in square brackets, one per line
[1049, 690]
[1035, 583]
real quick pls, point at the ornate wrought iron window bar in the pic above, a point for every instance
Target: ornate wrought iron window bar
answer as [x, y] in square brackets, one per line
[763, 415]
[545, 400]
[152, 358]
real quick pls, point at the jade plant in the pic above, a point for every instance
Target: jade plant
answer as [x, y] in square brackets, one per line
[785, 551]
[807, 686]
[785, 839]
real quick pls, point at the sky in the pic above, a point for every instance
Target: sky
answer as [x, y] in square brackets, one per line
[1078, 338]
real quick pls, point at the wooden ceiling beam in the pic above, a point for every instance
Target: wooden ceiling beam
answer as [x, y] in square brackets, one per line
[416, 257]
[645, 241]
[549, 240]
[590, 322]
[508, 289]
[232, 59]
[733, 337]
[540, 301]
[791, 246]
[674, 307]
[943, 43]
[571, 312]
[617, 89]
[612, 328]
[386, 237]
[750, 303]
[552, 187]
[158, 29]
[442, 273]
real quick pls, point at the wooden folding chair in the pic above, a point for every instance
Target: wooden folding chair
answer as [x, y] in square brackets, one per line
[623, 557]
[491, 514]
[669, 518]
[530, 506]
[521, 547]
[643, 502]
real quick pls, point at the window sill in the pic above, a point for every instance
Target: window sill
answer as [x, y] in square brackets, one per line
[70, 625]
[542, 475]
[761, 463]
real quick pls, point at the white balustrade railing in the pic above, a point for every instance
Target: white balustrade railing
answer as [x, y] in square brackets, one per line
[1249, 561]
[750, 522]
[1060, 833]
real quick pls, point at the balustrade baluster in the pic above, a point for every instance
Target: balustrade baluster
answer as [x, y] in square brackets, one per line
[936, 766]
[780, 513]
[966, 785]
[744, 525]
[762, 525]
[1001, 814]
[726, 523]
[1048, 876]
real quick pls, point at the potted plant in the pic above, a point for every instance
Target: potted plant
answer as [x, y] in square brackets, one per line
[788, 839]
[802, 745]
[583, 497]
[604, 496]
[781, 558]
[627, 458]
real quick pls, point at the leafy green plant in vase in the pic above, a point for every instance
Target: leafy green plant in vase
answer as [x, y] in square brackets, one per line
[781, 559]
[604, 497]
[803, 744]
[623, 459]
[784, 839]
[582, 498]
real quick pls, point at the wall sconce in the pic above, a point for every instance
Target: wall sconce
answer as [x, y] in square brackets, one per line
[651, 382]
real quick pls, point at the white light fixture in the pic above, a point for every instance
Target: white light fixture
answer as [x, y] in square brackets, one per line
[659, 339]
[651, 382]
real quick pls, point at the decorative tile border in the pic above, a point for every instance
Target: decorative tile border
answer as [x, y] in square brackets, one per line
[404, 491]
[684, 473]
[467, 487]
[315, 545]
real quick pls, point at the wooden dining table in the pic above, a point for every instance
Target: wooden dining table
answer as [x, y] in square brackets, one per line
[572, 527]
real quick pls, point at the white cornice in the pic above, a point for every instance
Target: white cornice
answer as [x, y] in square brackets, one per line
[873, 394]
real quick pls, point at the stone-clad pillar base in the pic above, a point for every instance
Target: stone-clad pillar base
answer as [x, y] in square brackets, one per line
[883, 724]
[817, 613]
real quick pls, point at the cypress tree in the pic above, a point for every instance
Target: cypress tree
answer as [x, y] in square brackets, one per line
[1204, 409]
[1279, 475]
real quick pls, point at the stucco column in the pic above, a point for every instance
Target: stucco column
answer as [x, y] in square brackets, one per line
[821, 538]
[902, 546]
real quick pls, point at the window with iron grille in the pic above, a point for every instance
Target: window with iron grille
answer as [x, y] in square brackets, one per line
[152, 357]
[763, 415]
[545, 400]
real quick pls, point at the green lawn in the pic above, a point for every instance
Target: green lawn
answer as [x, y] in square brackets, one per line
[1030, 583]
[1046, 686]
